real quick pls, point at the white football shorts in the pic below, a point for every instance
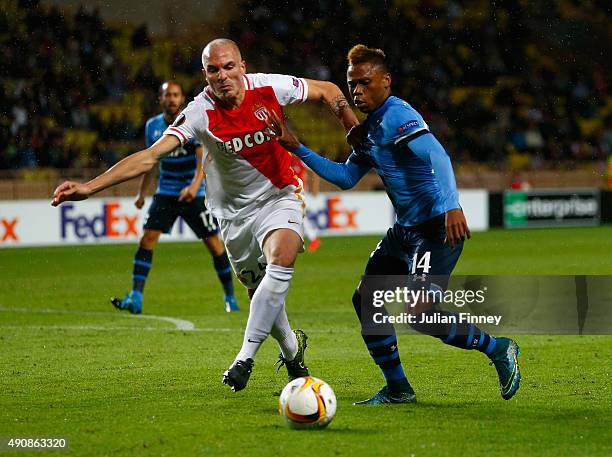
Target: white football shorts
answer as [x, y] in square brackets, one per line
[244, 238]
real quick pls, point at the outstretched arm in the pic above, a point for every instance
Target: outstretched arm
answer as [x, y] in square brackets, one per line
[330, 94]
[128, 168]
[344, 175]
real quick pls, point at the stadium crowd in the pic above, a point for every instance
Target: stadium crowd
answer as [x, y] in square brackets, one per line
[490, 80]
[487, 79]
[54, 69]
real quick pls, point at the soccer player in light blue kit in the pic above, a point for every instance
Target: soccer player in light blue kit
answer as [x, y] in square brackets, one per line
[419, 179]
[180, 193]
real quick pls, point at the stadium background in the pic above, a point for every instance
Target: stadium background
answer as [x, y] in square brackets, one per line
[518, 93]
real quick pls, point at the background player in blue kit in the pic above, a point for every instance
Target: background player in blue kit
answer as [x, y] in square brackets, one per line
[419, 179]
[180, 192]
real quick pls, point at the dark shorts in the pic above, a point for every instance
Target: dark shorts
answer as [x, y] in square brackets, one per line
[418, 250]
[165, 209]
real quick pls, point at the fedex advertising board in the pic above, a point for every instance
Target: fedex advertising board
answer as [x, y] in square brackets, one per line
[117, 220]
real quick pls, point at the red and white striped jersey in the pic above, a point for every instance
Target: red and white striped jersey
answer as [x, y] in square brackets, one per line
[300, 169]
[247, 167]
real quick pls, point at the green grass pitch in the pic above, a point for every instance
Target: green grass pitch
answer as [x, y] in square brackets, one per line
[118, 385]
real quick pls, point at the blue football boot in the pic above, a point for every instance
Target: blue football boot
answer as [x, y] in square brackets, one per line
[504, 357]
[132, 302]
[231, 304]
[385, 396]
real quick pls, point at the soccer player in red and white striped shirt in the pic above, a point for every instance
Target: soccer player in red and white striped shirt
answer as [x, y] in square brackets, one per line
[250, 186]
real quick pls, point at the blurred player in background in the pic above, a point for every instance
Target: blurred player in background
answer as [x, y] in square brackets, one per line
[428, 235]
[180, 193]
[250, 187]
[311, 231]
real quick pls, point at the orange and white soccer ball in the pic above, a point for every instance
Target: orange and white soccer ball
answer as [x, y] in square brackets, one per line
[307, 403]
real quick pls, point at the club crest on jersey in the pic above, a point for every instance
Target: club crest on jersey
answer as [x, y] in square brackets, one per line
[261, 113]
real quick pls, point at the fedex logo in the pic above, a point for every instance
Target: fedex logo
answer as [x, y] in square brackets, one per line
[334, 216]
[8, 230]
[110, 222]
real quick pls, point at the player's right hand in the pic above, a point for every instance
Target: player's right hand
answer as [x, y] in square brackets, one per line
[278, 130]
[70, 191]
[139, 203]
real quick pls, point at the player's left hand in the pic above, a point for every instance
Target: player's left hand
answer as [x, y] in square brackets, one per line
[356, 135]
[456, 227]
[278, 130]
[187, 194]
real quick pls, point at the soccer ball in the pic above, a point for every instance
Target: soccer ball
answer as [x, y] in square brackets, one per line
[307, 403]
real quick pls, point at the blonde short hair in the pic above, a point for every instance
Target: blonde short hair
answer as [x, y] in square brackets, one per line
[361, 54]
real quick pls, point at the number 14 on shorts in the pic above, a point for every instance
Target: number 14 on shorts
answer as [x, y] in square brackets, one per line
[422, 263]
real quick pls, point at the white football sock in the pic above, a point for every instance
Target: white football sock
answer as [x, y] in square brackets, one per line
[266, 304]
[282, 333]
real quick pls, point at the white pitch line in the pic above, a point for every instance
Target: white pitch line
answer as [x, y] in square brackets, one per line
[113, 328]
[180, 324]
[116, 328]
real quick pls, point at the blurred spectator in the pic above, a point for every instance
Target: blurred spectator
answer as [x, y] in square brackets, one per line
[490, 78]
[519, 182]
[541, 88]
[140, 37]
